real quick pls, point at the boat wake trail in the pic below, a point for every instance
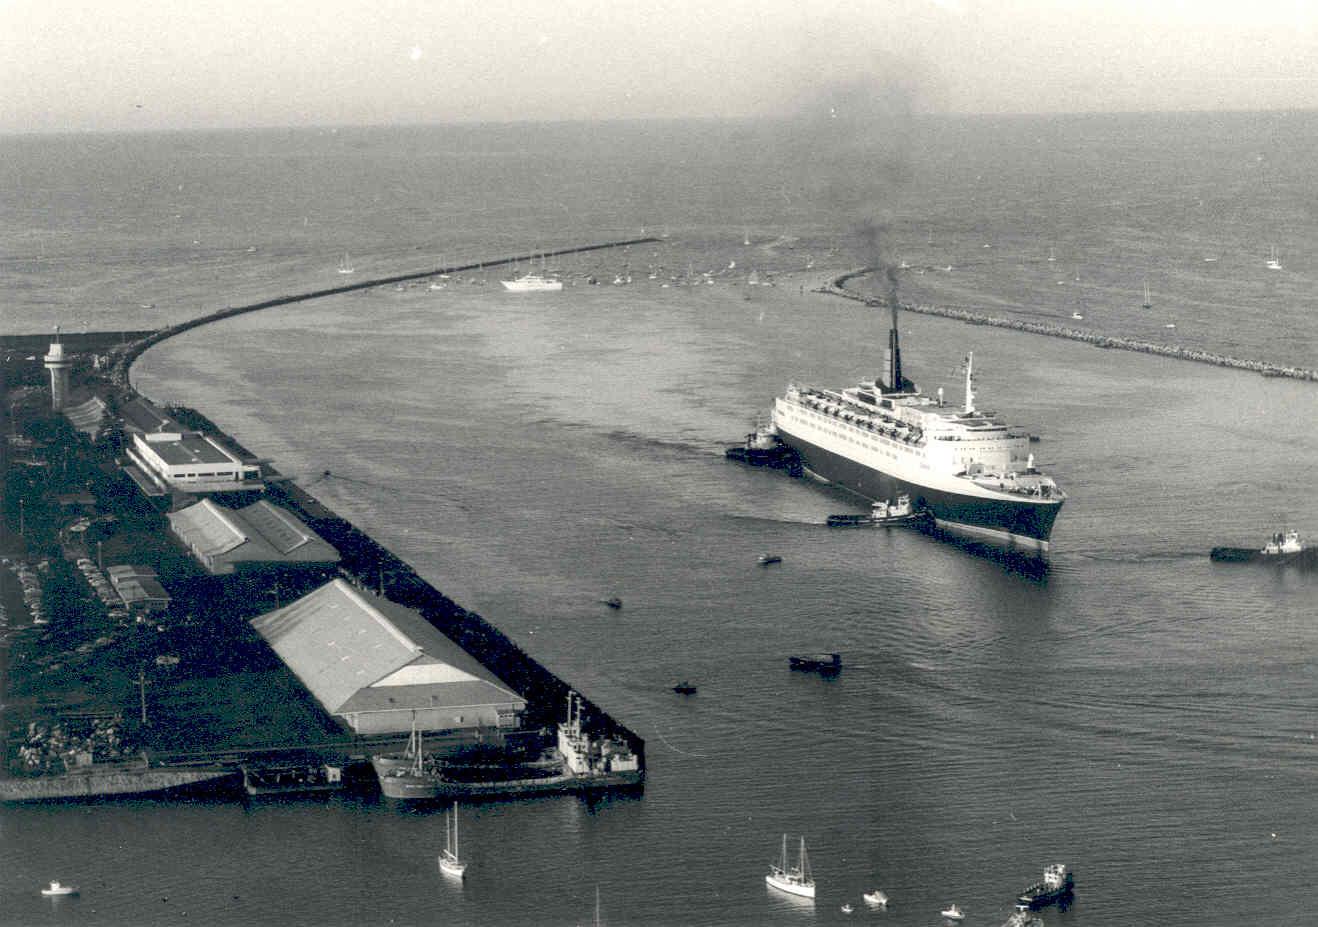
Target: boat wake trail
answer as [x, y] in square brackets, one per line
[681, 449]
[660, 734]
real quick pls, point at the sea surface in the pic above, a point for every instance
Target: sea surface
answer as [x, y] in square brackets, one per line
[1136, 711]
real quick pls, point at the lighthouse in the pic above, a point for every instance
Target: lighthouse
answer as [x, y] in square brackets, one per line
[58, 363]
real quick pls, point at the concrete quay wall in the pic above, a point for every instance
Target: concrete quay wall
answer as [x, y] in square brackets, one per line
[837, 287]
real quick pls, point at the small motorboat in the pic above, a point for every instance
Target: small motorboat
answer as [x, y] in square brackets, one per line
[825, 663]
[847, 908]
[875, 898]
[952, 913]
[766, 559]
[614, 603]
[56, 888]
[684, 688]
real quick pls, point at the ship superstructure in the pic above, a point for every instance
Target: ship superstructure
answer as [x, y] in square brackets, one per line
[973, 473]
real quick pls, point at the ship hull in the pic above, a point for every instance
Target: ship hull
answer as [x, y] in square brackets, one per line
[409, 787]
[1023, 525]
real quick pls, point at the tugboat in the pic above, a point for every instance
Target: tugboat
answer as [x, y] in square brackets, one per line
[768, 559]
[1282, 547]
[881, 514]
[824, 663]
[1056, 888]
[763, 449]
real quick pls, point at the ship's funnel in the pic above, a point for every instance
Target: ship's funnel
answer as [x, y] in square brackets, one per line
[892, 379]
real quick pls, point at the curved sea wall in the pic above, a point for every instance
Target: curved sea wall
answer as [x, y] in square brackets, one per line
[837, 287]
[123, 359]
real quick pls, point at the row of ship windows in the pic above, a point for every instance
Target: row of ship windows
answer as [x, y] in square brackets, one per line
[870, 444]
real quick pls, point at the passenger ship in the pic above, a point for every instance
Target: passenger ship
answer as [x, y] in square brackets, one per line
[972, 473]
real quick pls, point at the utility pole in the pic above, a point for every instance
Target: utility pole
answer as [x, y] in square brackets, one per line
[141, 690]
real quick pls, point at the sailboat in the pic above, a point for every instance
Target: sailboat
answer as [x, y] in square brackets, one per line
[795, 880]
[1273, 263]
[449, 861]
[345, 265]
[1148, 300]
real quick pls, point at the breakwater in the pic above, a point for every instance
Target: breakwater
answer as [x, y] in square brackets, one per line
[837, 287]
[122, 358]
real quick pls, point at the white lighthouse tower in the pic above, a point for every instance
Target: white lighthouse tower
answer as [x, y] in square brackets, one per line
[58, 363]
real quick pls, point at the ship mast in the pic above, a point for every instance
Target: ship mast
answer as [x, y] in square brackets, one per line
[970, 383]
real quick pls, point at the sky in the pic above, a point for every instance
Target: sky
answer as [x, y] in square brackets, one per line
[127, 65]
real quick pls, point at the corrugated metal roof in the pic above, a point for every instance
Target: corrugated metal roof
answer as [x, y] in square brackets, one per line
[341, 642]
[259, 532]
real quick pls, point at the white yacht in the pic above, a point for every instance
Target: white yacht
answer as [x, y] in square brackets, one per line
[795, 880]
[449, 862]
[532, 283]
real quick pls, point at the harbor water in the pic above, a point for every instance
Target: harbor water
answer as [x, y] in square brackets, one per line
[1135, 711]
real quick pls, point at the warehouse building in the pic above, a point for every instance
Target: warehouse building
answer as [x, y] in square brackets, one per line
[382, 667]
[263, 534]
[190, 462]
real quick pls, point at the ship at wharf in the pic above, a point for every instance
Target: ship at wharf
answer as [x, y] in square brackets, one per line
[607, 754]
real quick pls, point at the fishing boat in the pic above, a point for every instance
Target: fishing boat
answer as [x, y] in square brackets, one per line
[345, 265]
[952, 913]
[795, 880]
[56, 888]
[449, 862]
[876, 898]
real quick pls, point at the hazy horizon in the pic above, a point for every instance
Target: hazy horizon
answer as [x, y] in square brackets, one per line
[152, 65]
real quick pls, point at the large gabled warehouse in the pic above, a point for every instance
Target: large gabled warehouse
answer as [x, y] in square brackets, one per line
[261, 535]
[382, 667]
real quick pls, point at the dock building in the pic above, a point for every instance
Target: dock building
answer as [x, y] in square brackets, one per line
[188, 461]
[383, 668]
[260, 535]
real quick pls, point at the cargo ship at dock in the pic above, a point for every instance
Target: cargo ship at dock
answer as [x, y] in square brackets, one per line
[972, 473]
[580, 762]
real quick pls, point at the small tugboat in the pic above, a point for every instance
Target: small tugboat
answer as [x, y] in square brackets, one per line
[795, 880]
[766, 559]
[763, 449]
[823, 663]
[952, 913]
[881, 514]
[684, 688]
[56, 889]
[876, 898]
[1056, 888]
[1282, 547]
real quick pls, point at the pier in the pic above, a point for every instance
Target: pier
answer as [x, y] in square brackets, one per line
[364, 562]
[837, 287]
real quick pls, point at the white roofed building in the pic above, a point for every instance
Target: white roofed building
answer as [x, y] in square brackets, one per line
[191, 462]
[383, 668]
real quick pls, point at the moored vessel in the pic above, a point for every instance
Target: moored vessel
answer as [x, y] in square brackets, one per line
[971, 472]
[532, 283]
[795, 880]
[1056, 888]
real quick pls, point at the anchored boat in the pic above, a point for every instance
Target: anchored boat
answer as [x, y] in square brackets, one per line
[795, 880]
